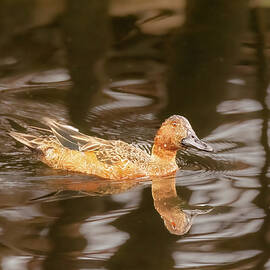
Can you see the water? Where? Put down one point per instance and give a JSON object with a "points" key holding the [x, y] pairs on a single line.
{"points": [[116, 70]]}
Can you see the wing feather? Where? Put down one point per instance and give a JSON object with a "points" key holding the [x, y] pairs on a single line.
{"points": [[65, 134], [109, 152], [116, 151]]}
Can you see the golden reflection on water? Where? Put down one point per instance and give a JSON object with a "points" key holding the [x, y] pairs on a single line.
{"points": [[177, 215], [207, 60]]}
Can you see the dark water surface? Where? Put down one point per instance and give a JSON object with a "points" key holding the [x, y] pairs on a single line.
{"points": [[116, 69]]}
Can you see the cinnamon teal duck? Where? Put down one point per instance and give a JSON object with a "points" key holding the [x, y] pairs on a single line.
{"points": [[66, 148]]}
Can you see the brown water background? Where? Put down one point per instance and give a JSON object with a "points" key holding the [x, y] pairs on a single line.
{"points": [[116, 69]]}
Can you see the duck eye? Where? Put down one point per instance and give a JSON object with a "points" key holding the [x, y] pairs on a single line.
{"points": [[174, 124]]}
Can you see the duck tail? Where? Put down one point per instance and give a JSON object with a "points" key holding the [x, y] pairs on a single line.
{"points": [[26, 139]]}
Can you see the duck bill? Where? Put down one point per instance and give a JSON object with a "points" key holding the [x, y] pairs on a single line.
{"points": [[193, 141]]}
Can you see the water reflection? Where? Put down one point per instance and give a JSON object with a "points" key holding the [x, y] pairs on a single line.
{"points": [[87, 39], [208, 60], [213, 58], [177, 215]]}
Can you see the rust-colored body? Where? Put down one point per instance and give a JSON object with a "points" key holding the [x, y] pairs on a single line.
{"points": [[68, 149]]}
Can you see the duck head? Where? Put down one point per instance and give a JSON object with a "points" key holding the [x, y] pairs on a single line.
{"points": [[176, 133]]}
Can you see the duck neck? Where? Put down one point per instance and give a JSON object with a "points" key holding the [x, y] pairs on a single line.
{"points": [[163, 150], [161, 154]]}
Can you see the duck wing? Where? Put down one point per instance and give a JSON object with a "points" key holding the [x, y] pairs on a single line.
{"points": [[107, 151], [66, 135], [115, 151], [71, 138]]}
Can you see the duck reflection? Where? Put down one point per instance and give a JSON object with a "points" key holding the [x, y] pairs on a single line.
{"points": [[177, 215]]}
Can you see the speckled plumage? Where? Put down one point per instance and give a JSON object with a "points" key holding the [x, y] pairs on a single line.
{"points": [[68, 149]]}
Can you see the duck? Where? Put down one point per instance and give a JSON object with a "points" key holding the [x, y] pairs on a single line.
{"points": [[65, 148]]}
